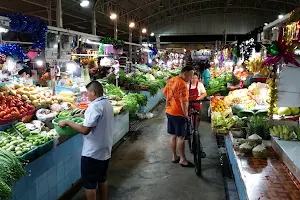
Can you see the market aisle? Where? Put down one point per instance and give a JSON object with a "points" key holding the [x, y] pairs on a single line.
{"points": [[141, 169]]}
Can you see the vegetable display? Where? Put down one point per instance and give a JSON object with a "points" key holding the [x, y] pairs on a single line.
{"points": [[19, 141], [219, 84], [11, 170]]}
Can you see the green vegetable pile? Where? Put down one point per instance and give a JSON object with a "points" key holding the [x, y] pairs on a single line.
{"points": [[113, 92], [132, 102], [219, 84], [259, 126], [220, 122], [11, 170], [18, 144], [143, 81]]}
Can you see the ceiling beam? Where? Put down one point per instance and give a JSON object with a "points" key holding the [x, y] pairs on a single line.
{"points": [[198, 13], [199, 3]]}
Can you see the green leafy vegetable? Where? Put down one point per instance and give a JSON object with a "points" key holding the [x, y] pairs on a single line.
{"points": [[11, 170]]}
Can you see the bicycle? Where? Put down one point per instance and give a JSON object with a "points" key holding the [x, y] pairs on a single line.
{"points": [[194, 142]]}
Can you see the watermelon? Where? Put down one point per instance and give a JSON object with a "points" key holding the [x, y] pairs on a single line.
{"points": [[237, 108], [261, 113], [245, 113]]}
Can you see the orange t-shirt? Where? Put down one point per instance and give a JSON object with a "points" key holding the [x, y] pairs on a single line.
{"points": [[176, 92]]}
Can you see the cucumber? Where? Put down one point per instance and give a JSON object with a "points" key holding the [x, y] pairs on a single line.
{"points": [[11, 148], [18, 148], [28, 145]]}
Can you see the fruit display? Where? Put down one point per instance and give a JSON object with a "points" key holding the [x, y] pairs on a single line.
{"points": [[218, 105], [36, 96], [283, 132], [259, 152], [286, 111], [67, 96], [13, 107]]}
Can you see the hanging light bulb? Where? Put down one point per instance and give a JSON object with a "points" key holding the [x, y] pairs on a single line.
{"points": [[85, 3]]}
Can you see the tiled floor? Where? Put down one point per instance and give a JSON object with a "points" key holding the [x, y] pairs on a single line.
{"points": [[267, 178]]}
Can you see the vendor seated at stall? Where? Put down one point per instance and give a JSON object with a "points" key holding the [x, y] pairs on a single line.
{"points": [[26, 73], [196, 92]]}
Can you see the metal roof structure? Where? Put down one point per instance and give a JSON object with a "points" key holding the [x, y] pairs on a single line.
{"points": [[152, 14]]}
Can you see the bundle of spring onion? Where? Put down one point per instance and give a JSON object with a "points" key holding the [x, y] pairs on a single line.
{"points": [[11, 170]]}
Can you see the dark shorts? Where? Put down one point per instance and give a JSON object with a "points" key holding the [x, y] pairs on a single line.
{"points": [[177, 125], [93, 172]]}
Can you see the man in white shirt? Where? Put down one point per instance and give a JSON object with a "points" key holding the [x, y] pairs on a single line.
{"points": [[97, 131]]}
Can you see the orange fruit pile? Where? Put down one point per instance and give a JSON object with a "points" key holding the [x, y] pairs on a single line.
{"points": [[218, 105]]}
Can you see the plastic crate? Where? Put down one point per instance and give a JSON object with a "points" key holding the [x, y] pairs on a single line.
{"points": [[42, 149], [30, 155]]}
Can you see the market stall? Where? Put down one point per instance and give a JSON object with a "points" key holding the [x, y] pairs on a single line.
{"points": [[47, 156], [260, 125]]}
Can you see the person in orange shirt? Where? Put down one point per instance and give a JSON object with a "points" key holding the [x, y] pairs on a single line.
{"points": [[177, 103]]}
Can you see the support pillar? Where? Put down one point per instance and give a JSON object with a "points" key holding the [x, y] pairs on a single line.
{"points": [[158, 42], [116, 29], [94, 22], [130, 46], [49, 12], [59, 21]]}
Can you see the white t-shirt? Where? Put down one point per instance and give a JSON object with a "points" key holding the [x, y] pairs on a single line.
{"points": [[201, 88], [98, 143]]}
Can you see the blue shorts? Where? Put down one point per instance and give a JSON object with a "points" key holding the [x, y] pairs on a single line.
{"points": [[93, 172], [177, 126]]}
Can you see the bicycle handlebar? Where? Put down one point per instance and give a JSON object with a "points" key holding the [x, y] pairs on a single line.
{"points": [[199, 101]]}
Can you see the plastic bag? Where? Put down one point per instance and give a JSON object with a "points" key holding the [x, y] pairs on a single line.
{"points": [[40, 114]]}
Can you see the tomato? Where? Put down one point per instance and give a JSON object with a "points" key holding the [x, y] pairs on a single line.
{"points": [[8, 116], [7, 110], [28, 106], [8, 98], [19, 104], [2, 114], [15, 113]]}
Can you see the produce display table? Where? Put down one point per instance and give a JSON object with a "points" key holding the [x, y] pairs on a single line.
{"points": [[49, 176], [261, 178], [288, 151], [152, 100]]}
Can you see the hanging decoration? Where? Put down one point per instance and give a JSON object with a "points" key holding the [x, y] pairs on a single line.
{"points": [[273, 94], [101, 49], [2, 58], [36, 27], [13, 50], [246, 48], [292, 32], [278, 51], [32, 54], [118, 44], [294, 16]]}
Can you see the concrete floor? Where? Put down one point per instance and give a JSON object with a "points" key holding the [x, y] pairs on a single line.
{"points": [[141, 168]]}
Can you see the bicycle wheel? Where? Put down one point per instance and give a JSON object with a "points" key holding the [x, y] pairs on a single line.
{"points": [[198, 154]]}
